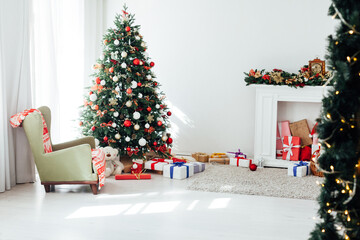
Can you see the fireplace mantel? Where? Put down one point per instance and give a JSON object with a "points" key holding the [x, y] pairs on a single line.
{"points": [[267, 98]]}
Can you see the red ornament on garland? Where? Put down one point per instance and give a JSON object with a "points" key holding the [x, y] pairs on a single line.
{"points": [[159, 123], [169, 113], [152, 64], [127, 29], [105, 138], [127, 123], [98, 80], [169, 141], [111, 69], [149, 109], [139, 84], [136, 61], [128, 91], [93, 128]]}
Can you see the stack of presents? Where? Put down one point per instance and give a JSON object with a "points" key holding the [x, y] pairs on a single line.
{"points": [[295, 142]]}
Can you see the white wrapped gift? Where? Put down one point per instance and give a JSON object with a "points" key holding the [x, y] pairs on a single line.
{"points": [[240, 162], [198, 166], [300, 169], [157, 164], [178, 170]]}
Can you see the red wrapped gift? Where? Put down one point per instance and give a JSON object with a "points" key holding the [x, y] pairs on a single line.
{"points": [[178, 160], [291, 148], [305, 153]]}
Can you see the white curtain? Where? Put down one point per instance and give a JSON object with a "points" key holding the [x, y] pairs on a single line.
{"points": [[16, 164]]}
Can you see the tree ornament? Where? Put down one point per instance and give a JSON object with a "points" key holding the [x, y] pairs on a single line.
{"points": [[140, 95], [164, 138], [139, 84], [116, 42], [117, 136], [127, 29], [157, 106], [148, 109], [121, 116], [124, 55], [147, 125], [136, 61], [97, 80], [159, 123], [93, 128], [113, 101], [105, 139], [150, 118], [137, 38], [116, 114], [168, 113], [142, 142], [127, 123], [152, 64], [115, 79], [155, 84], [128, 80], [102, 83], [136, 127], [252, 167], [111, 70], [143, 44], [96, 107], [128, 149], [127, 139], [133, 136], [129, 91], [113, 125], [148, 77], [93, 97], [123, 65], [169, 140], [136, 115], [133, 84]]}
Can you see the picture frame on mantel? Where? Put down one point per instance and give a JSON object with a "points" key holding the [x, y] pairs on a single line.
{"points": [[317, 66]]}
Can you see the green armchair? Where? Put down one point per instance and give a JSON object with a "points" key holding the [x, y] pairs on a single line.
{"points": [[69, 163]]}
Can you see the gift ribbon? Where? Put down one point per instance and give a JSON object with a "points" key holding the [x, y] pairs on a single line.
{"points": [[183, 160], [288, 148], [238, 154], [157, 161], [178, 164], [300, 164]]}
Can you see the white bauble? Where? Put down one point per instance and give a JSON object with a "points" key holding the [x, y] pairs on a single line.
{"points": [[143, 44], [136, 115], [116, 114], [123, 54], [116, 42], [137, 38], [169, 125], [97, 142], [127, 139], [133, 84], [140, 95], [136, 127], [134, 166], [128, 103], [148, 77], [117, 89], [117, 136], [102, 57], [123, 65], [93, 97], [147, 125], [164, 138], [115, 79], [142, 142], [157, 106], [113, 125], [103, 82]]}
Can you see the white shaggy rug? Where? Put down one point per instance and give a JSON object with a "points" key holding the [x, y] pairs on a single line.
{"points": [[272, 182]]}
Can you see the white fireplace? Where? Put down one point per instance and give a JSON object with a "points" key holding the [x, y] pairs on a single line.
{"points": [[266, 108]]}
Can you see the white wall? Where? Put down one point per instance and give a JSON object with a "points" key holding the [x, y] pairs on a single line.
{"points": [[201, 49]]}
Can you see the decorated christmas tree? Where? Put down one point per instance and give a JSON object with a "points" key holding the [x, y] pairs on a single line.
{"points": [[124, 108], [339, 130]]}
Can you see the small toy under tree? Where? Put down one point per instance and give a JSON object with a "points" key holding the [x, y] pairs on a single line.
{"points": [[339, 130], [124, 108]]}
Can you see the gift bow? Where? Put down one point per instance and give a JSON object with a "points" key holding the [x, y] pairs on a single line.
{"points": [[238, 153], [300, 164], [288, 148], [178, 164]]}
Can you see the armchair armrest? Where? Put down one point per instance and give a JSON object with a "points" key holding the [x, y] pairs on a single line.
{"points": [[76, 142], [69, 164]]}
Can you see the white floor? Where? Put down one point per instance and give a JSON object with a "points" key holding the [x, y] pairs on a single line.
{"points": [[149, 209]]}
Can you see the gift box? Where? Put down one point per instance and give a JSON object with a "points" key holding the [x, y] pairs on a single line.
{"points": [[218, 155], [174, 160], [200, 157], [132, 176], [157, 164], [299, 170], [137, 166], [238, 154], [240, 162], [198, 166], [224, 161], [291, 148], [301, 129], [279, 143], [305, 153], [178, 170], [284, 129]]}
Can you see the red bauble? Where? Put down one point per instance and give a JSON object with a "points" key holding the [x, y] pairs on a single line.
{"points": [[155, 83], [159, 123], [111, 69], [128, 91], [90, 93], [155, 143], [152, 64], [136, 61], [98, 80], [128, 149], [93, 128], [127, 123], [149, 109], [127, 29], [169, 113], [252, 166], [169, 141], [105, 138], [139, 84]]}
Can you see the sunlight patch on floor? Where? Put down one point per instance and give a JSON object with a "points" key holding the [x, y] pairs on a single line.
{"points": [[161, 207], [219, 203], [99, 211], [192, 205], [135, 209]]}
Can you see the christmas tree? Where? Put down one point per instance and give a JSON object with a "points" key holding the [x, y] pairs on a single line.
{"points": [[339, 130], [124, 108]]}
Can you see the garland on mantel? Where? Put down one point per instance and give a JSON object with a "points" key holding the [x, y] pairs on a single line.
{"points": [[280, 77]]}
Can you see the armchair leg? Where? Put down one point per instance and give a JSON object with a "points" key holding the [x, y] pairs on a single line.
{"points": [[47, 187], [94, 188]]}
